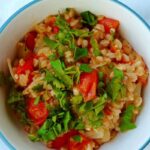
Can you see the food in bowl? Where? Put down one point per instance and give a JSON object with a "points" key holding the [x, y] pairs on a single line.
{"points": [[76, 82]]}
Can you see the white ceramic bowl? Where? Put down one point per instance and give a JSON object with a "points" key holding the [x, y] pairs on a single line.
{"points": [[132, 28]]}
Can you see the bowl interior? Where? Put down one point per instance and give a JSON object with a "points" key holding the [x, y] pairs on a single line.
{"points": [[131, 28]]}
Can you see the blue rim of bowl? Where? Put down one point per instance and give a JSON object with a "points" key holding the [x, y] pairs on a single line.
{"points": [[2, 28]]}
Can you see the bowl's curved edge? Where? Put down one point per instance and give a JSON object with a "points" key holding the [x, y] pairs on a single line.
{"points": [[6, 142], [2, 28]]}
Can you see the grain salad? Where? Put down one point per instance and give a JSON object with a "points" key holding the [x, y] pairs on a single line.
{"points": [[75, 81]]}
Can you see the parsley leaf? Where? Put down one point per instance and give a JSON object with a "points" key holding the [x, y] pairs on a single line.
{"points": [[126, 119], [80, 32], [96, 50], [15, 96], [59, 72], [80, 53], [88, 18], [66, 120], [52, 44], [85, 68], [38, 88], [115, 85], [36, 101], [75, 100], [77, 138]]}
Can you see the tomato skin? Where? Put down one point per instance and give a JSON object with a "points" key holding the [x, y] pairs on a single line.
{"points": [[37, 113], [109, 23], [30, 40], [64, 139], [143, 80], [88, 84], [73, 145], [51, 21]]}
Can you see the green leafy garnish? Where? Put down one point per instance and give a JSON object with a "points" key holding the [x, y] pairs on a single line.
{"points": [[36, 101], [88, 18], [52, 44], [67, 119], [38, 88], [33, 138], [85, 68], [15, 96], [126, 119], [101, 75], [115, 85], [80, 53], [57, 67], [99, 106], [75, 100], [80, 33], [77, 138], [96, 50]]}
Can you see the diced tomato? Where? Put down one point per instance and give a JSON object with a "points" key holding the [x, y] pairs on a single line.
{"points": [[28, 65], [107, 110], [143, 80], [55, 29], [109, 23], [37, 113], [64, 139], [74, 145], [30, 40], [52, 21], [88, 85]]}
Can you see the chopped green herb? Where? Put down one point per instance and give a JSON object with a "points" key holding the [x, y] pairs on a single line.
{"points": [[77, 138], [33, 138], [96, 50], [115, 85], [75, 100], [52, 44], [88, 18], [85, 68], [80, 33], [101, 75], [15, 96], [38, 88], [126, 119], [52, 57], [57, 66], [36, 101], [80, 53], [67, 119]]}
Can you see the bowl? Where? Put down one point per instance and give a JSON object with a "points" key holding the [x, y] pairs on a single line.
{"points": [[133, 28]]}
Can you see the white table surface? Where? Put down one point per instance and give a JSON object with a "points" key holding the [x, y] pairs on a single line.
{"points": [[8, 7]]}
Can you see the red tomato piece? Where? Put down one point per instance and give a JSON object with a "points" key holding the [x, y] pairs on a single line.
{"points": [[55, 29], [30, 40], [64, 139], [143, 80], [74, 145], [28, 65], [88, 85], [51, 21], [107, 110], [37, 113], [109, 23]]}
